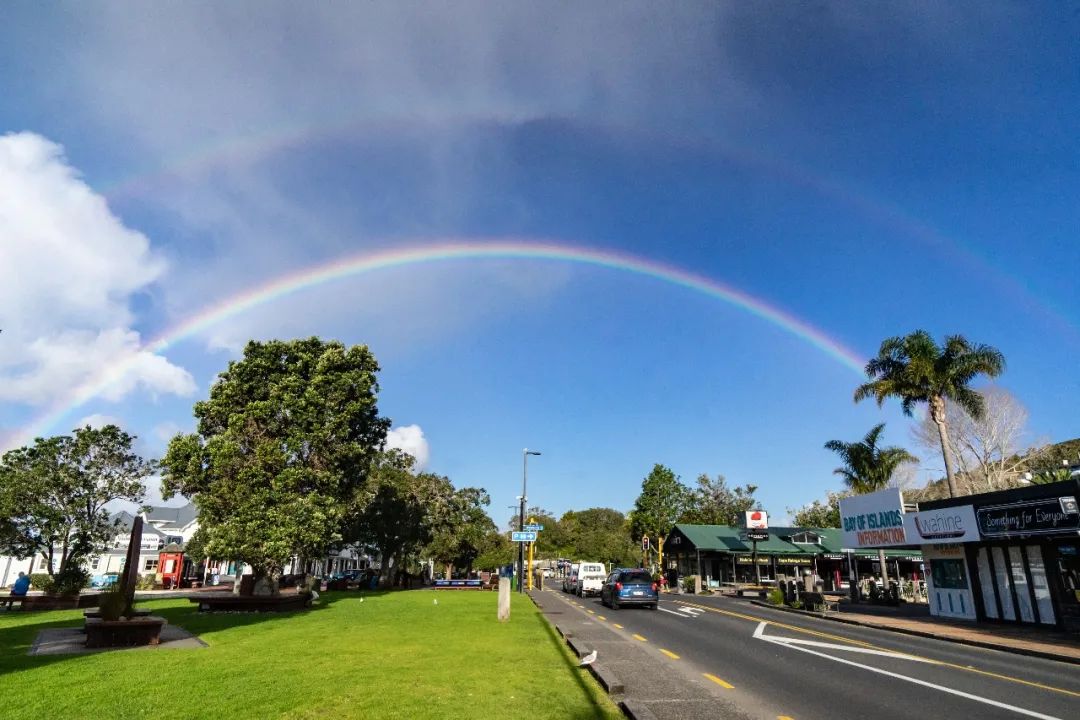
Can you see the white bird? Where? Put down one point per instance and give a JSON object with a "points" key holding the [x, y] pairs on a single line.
{"points": [[588, 659], [361, 599], [436, 601]]}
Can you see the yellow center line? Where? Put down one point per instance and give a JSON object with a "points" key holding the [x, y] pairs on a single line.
{"points": [[718, 681], [784, 717], [591, 612], [601, 617], [617, 625], [942, 663], [670, 654], [638, 637]]}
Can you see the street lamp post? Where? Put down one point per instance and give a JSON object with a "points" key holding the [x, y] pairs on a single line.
{"points": [[521, 514]]}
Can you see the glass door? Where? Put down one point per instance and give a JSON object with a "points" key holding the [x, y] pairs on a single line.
{"points": [[1023, 591], [1001, 576], [986, 581], [1040, 585]]}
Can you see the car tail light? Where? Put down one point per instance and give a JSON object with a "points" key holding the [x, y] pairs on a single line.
{"points": [[654, 587], [618, 586]]}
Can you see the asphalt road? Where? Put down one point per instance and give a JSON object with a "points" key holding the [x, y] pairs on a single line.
{"points": [[783, 665]]}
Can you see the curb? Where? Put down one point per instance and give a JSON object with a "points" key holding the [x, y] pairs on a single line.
{"points": [[636, 710], [927, 634], [611, 684]]}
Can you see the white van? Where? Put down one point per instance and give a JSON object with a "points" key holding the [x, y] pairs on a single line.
{"points": [[590, 578]]}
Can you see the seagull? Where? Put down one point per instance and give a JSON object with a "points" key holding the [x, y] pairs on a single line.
{"points": [[588, 659], [361, 599], [436, 601]]}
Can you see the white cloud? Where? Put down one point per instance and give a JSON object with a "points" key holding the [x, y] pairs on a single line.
{"points": [[410, 438], [98, 421], [164, 432], [71, 269]]}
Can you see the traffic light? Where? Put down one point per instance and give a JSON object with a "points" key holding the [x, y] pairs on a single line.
{"points": [[645, 543]]}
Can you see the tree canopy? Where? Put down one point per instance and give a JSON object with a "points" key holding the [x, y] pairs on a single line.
{"points": [[714, 503], [661, 504], [53, 494], [819, 514], [284, 445], [867, 466], [917, 370]]}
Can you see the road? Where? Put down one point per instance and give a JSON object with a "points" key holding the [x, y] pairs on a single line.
{"points": [[784, 665]]}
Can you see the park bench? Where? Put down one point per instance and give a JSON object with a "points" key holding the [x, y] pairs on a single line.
{"points": [[284, 602], [10, 600], [820, 602]]}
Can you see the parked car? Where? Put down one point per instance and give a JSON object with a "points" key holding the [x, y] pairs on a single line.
{"points": [[569, 583], [590, 579], [630, 587], [549, 572]]}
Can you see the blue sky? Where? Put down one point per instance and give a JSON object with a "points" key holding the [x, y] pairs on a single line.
{"points": [[868, 169]]}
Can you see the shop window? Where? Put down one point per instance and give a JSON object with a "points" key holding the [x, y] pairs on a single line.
{"points": [[1004, 587], [948, 574], [1023, 591], [986, 581], [150, 564], [1040, 585], [1069, 570]]}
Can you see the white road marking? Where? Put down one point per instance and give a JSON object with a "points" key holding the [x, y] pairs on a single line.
{"points": [[672, 612], [759, 634]]}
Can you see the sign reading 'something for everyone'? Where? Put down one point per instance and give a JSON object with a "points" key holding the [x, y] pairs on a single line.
{"points": [[873, 520]]}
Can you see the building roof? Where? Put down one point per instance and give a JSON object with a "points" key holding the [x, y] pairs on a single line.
{"points": [[726, 538], [174, 516]]}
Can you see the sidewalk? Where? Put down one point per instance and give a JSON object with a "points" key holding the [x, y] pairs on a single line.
{"points": [[628, 669], [915, 619]]}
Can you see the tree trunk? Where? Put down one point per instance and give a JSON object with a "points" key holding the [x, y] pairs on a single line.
{"points": [[937, 413]]}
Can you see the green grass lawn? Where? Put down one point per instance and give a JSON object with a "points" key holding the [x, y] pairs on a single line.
{"points": [[395, 655]]}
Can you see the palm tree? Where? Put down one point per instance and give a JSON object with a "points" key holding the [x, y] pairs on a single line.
{"points": [[868, 467], [916, 370]]}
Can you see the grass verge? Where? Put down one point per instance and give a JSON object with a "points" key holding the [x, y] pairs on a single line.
{"points": [[394, 655]]}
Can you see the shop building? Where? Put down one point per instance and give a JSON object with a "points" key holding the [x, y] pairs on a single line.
{"points": [[1011, 556], [721, 555]]}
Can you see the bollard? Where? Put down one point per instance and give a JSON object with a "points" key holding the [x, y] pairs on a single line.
{"points": [[504, 599]]}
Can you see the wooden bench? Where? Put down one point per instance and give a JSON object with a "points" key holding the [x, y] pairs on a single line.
{"points": [[123, 633], [208, 602], [96, 613], [10, 600], [820, 602]]}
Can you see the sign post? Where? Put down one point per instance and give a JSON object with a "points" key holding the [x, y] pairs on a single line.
{"points": [[874, 520], [531, 527], [757, 528]]}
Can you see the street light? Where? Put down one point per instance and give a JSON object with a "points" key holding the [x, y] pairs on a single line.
{"points": [[521, 516]]}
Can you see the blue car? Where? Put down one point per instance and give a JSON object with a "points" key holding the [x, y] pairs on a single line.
{"points": [[630, 587], [101, 582]]}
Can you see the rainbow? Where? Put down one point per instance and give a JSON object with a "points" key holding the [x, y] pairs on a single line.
{"points": [[460, 250]]}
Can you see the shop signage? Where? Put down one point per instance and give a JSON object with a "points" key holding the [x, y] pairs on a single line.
{"points": [[945, 525], [756, 520], [793, 560], [1036, 517], [748, 559], [755, 535], [873, 520]]}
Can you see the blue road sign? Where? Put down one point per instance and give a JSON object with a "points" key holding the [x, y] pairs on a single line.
{"points": [[529, 536], [534, 527]]}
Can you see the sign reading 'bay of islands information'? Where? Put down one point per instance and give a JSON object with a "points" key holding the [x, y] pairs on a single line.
{"points": [[873, 520]]}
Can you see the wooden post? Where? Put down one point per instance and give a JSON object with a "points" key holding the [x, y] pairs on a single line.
{"points": [[504, 599], [131, 565]]}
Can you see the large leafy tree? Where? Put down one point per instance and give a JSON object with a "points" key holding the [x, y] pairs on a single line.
{"points": [[866, 465], [53, 494], [283, 447], [400, 511], [714, 503], [915, 369], [819, 514], [662, 502], [598, 534], [462, 534]]}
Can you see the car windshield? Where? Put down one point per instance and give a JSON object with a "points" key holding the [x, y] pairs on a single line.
{"points": [[636, 577]]}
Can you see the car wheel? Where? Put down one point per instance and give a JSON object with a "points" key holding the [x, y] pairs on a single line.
{"points": [[653, 606]]}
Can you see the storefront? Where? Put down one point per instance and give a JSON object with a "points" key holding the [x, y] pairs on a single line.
{"points": [[721, 555], [1024, 564]]}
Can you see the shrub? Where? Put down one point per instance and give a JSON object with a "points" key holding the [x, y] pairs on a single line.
{"points": [[112, 604], [67, 582], [776, 596], [40, 581], [146, 582]]}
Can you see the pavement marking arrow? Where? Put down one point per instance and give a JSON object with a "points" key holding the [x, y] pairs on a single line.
{"points": [[759, 634]]}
